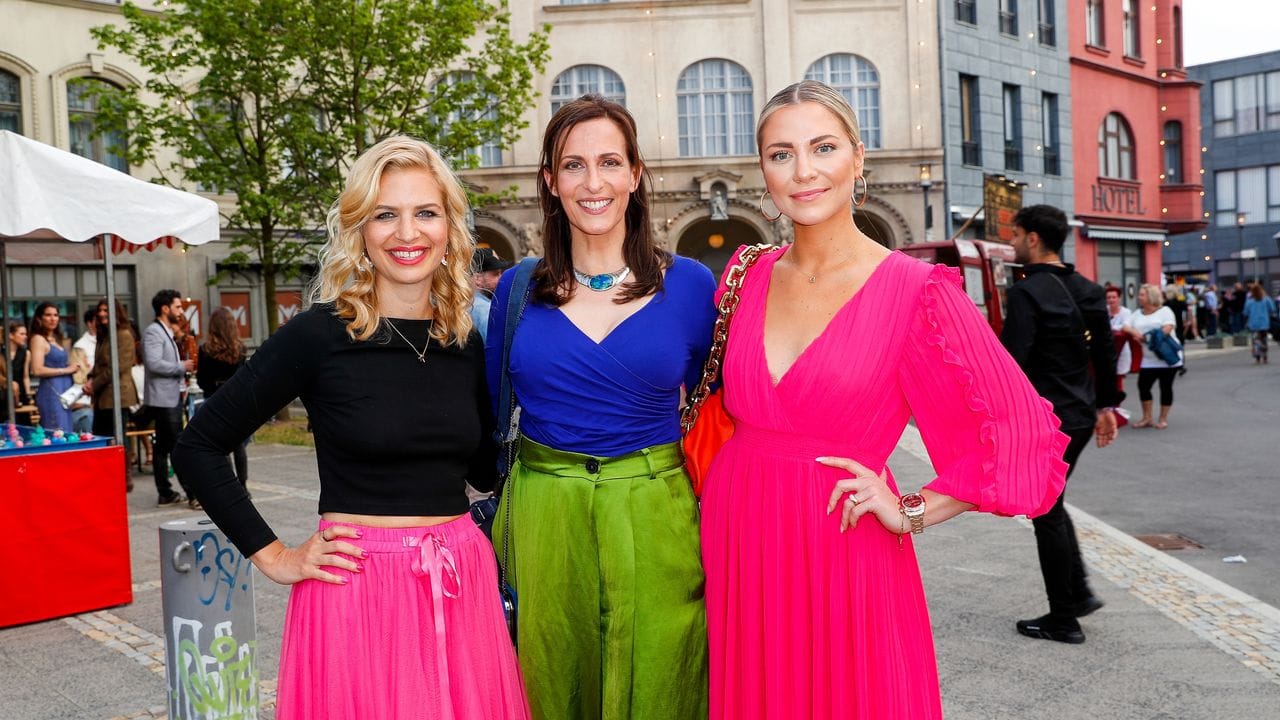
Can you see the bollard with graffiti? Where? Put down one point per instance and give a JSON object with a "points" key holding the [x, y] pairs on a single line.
{"points": [[211, 636]]}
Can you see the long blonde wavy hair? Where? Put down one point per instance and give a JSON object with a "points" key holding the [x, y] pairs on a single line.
{"points": [[346, 277]]}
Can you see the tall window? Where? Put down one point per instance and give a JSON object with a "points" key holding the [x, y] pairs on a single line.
{"points": [[1177, 36], [1012, 128], [966, 12], [1009, 17], [1253, 191], [82, 112], [489, 151], [970, 128], [1115, 149], [857, 79], [714, 110], [1049, 130], [1246, 104], [1172, 142], [1224, 117], [1132, 29], [1048, 23], [582, 79], [1093, 23], [10, 102]]}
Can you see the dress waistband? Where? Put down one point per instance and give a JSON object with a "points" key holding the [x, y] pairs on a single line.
{"points": [[390, 540], [794, 445], [646, 461]]}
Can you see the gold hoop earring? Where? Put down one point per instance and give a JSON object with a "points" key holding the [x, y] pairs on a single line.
{"points": [[866, 192], [763, 195]]}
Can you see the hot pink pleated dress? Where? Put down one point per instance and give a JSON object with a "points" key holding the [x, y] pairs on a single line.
{"points": [[806, 622]]}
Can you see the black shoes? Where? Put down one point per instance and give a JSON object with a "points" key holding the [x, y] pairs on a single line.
{"points": [[1054, 627], [170, 499], [1088, 606]]}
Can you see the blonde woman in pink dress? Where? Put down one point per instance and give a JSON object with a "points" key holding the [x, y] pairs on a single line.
{"points": [[814, 600]]}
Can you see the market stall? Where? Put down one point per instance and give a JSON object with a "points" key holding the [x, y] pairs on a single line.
{"points": [[64, 507]]}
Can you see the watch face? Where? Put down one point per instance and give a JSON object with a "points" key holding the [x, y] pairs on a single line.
{"points": [[912, 503]]}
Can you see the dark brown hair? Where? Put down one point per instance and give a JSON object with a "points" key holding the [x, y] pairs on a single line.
{"points": [[553, 278], [224, 337], [37, 325]]}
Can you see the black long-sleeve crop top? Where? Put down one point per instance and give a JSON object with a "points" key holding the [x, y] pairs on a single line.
{"points": [[394, 436]]}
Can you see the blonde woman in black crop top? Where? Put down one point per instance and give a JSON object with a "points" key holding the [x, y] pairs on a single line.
{"points": [[394, 610]]}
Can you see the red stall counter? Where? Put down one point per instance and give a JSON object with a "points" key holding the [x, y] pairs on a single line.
{"points": [[66, 527]]}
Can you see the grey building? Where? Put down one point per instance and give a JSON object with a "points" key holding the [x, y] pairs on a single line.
{"points": [[1006, 97], [1240, 121]]}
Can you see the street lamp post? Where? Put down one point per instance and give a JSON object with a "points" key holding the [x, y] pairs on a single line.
{"points": [[1240, 218], [926, 182]]}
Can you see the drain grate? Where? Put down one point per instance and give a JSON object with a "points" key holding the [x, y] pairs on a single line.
{"points": [[1169, 541]]}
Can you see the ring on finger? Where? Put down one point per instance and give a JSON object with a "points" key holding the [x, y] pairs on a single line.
{"points": [[322, 537], [853, 499]]}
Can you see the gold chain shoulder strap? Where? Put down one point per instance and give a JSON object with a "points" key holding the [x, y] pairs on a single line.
{"points": [[728, 304]]}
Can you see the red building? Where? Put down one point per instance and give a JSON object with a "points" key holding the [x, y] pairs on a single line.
{"points": [[1136, 136]]}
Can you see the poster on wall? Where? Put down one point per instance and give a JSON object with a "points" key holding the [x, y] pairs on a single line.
{"points": [[194, 310], [288, 305], [238, 304]]}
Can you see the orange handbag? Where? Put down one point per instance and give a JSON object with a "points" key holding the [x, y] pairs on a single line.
{"points": [[705, 423]]}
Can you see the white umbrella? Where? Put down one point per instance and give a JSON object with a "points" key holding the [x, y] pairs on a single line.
{"points": [[46, 193]]}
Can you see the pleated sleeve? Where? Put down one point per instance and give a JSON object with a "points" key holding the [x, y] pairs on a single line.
{"points": [[993, 441]]}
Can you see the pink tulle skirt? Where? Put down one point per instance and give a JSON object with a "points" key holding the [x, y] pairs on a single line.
{"points": [[418, 634]]}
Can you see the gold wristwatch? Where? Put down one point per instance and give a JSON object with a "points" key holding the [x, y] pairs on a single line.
{"points": [[912, 506]]}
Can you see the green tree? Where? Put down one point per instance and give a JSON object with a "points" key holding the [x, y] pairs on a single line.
{"points": [[272, 100]]}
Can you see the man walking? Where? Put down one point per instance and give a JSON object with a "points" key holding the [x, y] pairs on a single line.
{"points": [[165, 374], [1058, 330]]}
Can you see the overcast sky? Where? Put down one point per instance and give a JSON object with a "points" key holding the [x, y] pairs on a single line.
{"points": [[1221, 29]]}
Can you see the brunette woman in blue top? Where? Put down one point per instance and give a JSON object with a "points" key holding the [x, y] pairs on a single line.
{"points": [[603, 545]]}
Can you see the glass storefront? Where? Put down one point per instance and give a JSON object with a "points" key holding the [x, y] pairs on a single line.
{"points": [[1120, 263]]}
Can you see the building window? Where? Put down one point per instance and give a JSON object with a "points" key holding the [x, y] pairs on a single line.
{"points": [[582, 79], [970, 128], [1246, 104], [1012, 128], [1272, 90], [1093, 23], [1052, 143], [859, 81], [966, 12], [1273, 193], [1172, 142], [1115, 149], [82, 111], [1048, 24], [489, 152], [1177, 36], [1132, 29], [1253, 191], [714, 110], [1224, 122], [10, 102], [1009, 17]]}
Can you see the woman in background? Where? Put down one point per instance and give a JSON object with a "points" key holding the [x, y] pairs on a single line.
{"points": [[100, 378], [221, 355], [1153, 314], [52, 364]]}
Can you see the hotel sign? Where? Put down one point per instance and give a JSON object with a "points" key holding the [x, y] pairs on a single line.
{"points": [[1119, 198]]}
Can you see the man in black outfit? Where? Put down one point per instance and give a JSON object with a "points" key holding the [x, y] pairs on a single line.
{"points": [[1059, 332]]}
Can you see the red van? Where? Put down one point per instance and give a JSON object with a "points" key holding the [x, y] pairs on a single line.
{"points": [[987, 268]]}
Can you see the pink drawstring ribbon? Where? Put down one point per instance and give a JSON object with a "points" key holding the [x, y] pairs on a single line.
{"points": [[435, 562]]}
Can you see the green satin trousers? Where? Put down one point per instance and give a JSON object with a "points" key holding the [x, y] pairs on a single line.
{"points": [[605, 558]]}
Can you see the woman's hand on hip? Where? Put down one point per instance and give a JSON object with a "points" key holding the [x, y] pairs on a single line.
{"points": [[865, 492], [286, 565]]}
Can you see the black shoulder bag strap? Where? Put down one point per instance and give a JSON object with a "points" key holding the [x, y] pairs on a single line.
{"points": [[1088, 336], [508, 425]]}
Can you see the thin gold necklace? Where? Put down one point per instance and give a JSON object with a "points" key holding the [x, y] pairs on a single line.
{"points": [[422, 356]]}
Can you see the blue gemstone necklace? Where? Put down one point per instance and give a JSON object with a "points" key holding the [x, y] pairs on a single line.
{"points": [[604, 281]]}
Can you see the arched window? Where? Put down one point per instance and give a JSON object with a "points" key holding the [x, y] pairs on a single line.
{"points": [[582, 79], [857, 79], [713, 105], [1172, 142], [1093, 23], [489, 151], [1115, 149], [82, 113], [10, 102]]}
